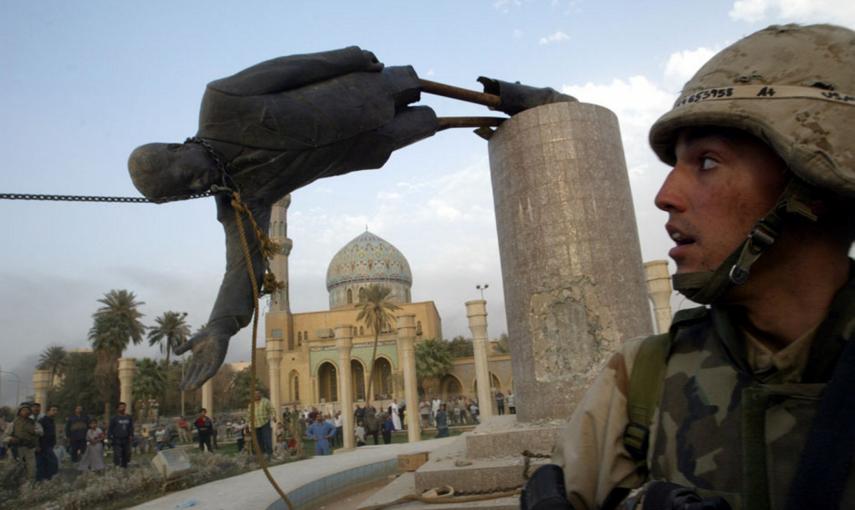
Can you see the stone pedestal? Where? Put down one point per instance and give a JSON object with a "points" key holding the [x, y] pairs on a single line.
{"points": [[406, 344], [127, 369], [571, 263], [476, 312], [208, 396], [344, 344], [41, 385], [273, 352], [659, 289]]}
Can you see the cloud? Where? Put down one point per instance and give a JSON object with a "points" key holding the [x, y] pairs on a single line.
{"points": [[518, 33], [505, 5], [682, 65], [556, 37], [843, 11]]}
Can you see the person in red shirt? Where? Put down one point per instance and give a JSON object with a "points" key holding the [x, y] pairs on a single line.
{"points": [[205, 427]]}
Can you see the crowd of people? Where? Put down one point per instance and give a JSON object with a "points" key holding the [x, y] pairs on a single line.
{"points": [[32, 438]]}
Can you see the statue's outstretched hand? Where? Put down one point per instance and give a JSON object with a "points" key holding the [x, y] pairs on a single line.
{"points": [[209, 347]]}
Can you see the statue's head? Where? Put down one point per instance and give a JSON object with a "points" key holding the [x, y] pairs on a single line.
{"points": [[161, 170]]}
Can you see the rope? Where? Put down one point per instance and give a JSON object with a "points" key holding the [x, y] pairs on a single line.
{"points": [[239, 208], [448, 494]]}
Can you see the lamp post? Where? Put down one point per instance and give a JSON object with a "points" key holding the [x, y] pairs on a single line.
{"points": [[17, 385], [482, 288]]}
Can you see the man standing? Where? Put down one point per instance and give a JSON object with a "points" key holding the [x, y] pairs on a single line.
{"points": [[25, 440], [512, 405], [500, 402], [442, 421], [75, 431], [388, 428], [184, 434], [321, 432], [121, 435], [372, 424], [755, 403], [204, 428], [46, 463], [263, 439]]}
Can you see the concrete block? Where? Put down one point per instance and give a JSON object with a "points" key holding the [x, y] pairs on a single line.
{"points": [[171, 463]]}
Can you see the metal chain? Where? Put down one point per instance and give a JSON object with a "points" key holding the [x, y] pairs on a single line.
{"points": [[92, 198]]}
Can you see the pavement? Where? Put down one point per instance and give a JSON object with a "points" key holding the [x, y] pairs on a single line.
{"points": [[306, 482]]}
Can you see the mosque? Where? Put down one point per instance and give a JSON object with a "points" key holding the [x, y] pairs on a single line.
{"points": [[300, 357]]}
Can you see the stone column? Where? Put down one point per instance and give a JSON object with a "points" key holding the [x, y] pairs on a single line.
{"points": [[406, 344], [659, 290], [571, 262], [273, 351], [344, 343], [41, 385], [208, 396], [476, 311], [127, 369]]}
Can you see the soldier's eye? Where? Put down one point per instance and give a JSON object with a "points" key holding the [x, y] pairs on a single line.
{"points": [[708, 163]]}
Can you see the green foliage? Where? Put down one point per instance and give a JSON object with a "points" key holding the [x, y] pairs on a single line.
{"points": [[239, 389], [78, 386], [461, 347], [170, 331], [377, 313], [433, 360], [149, 381], [502, 346], [116, 324], [53, 358]]}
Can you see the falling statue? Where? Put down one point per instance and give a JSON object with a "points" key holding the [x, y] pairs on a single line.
{"points": [[281, 124]]}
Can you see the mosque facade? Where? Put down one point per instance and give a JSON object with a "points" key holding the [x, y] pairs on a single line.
{"points": [[306, 360]]}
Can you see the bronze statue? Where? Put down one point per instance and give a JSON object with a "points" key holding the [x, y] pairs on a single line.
{"points": [[281, 124]]}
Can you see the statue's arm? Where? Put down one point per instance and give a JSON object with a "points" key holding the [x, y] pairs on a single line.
{"points": [[294, 71], [234, 306]]}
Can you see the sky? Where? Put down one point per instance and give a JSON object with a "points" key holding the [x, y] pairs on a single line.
{"points": [[84, 83]]}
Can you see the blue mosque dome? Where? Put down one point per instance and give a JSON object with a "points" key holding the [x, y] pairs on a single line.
{"points": [[368, 260]]}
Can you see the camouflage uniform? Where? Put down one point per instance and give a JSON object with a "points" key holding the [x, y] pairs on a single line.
{"points": [[717, 376]]}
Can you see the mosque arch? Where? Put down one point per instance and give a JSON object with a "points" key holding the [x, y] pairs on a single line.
{"points": [[382, 384], [357, 374], [327, 382], [495, 384], [450, 387], [350, 296]]}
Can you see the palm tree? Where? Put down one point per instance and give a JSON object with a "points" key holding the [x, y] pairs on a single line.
{"points": [[149, 381], [169, 332], [433, 360], [377, 314], [55, 359], [116, 324]]}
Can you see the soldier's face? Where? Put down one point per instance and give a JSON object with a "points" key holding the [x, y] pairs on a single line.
{"points": [[721, 184]]}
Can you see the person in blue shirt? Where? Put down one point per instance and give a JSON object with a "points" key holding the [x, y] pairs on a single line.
{"points": [[321, 431]]}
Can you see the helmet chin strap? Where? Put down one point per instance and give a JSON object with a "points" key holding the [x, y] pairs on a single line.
{"points": [[706, 287]]}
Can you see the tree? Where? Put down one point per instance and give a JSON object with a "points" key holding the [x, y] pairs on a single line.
{"points": [[461, 347], [240, 387], [501, 344], [376, 312], [55, 359], [116, 324], [169, 332], [78, 387], [149, 382], [433, 360]]}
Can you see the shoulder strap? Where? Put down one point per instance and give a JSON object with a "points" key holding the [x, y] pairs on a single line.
{"points": [[645, 390]]}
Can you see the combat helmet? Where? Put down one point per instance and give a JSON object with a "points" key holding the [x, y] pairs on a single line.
{"points": [[792, 87]]}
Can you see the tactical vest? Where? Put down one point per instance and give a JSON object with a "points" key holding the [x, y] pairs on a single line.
{"points": [[727, 431]]}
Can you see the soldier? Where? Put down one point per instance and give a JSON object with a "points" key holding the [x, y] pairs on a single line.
{"points": [[747, 402]]}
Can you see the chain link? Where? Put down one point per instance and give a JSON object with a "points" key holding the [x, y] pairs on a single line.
{"points": [[91, 198]]}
